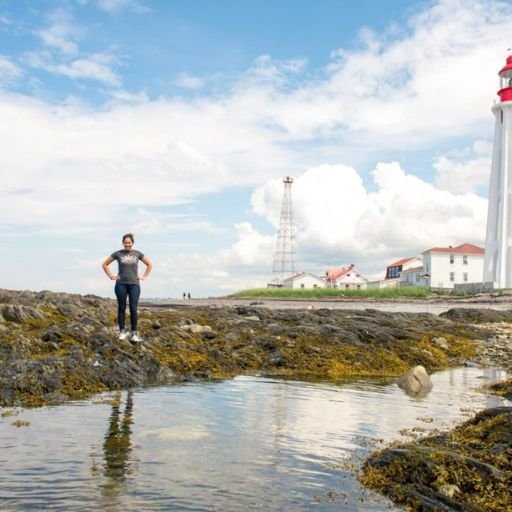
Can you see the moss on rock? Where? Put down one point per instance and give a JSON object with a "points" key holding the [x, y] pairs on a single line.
{"points": [[69, 349]]}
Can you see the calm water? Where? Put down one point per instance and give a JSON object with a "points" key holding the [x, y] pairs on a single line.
{"points": [[241, 445]]}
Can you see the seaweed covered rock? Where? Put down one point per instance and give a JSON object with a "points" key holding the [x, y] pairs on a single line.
{"points": [[476, 315], [503, 388], [466, 469], [60, 344], [19, 313]]}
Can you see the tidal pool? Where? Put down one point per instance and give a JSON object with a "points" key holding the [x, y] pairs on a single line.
{"points": [[245, 444]]}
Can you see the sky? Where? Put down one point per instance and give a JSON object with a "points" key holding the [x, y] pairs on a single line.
{"points": [[177, 120]]}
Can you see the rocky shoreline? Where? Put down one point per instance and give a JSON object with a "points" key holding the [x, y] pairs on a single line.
{"points": [[56, 347], [466, 468]]}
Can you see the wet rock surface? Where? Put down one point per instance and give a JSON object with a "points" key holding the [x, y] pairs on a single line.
{"points": [[56, 346], [415, 382], [466, 469], [469, 467]]}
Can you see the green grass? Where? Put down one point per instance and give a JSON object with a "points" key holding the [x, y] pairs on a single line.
{"points": [[321, 293]]}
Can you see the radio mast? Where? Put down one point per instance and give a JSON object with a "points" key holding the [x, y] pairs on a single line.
{"points": [[284, 255]]}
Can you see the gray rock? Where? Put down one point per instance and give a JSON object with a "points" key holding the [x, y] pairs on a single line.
{"points": [[52, 334], [440, 342], [415, 382], [232, 336], [19, 313], [276, 358], [197, 329], [164, 376]]}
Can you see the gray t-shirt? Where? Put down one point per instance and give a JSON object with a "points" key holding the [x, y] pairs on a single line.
{"points": [[128, 262]]}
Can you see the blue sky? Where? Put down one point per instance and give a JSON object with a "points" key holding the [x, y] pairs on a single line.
{"points": [[178, 119]]}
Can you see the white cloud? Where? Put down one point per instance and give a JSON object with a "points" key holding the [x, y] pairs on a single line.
{"points": [[9, 72], [482, 147], [434, 82], [188, 82], [96, 66], [462, 177], [338, 221], [61, 54], [251, 249], [336, 216], [114, 6], [61, 34]]}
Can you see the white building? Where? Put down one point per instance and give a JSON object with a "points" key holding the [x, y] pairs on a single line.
{"points": [[445, 266], [414, 276], [346, 278], [393, 270], [304, 280]]}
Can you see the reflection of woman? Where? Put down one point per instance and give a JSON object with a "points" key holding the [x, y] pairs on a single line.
{"points": [[127, 283], [117, 445]]}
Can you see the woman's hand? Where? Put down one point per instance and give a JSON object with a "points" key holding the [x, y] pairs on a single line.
{"points": [[114, 278], [142, 278]]}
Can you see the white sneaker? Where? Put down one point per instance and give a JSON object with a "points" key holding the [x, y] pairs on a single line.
{"points": [[135, 337], [123, 335]]}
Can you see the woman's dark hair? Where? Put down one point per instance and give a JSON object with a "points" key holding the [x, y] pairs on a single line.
{"points": [[130, 236]]}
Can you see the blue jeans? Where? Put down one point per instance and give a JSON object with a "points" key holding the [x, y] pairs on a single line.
{"points": [[127, 291]]}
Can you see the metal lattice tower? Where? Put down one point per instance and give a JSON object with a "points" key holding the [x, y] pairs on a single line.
{"points": [[284, 255]]}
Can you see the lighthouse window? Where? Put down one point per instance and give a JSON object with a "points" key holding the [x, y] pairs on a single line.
{"points": [[452, 276], [464, 259], [452, 258], [505, 82]]}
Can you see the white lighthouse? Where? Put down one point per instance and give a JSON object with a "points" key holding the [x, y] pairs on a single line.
{"points": [[498, 242]]}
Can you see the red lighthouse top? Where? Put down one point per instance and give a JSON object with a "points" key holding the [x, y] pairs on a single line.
{"points": [[505, 92]]}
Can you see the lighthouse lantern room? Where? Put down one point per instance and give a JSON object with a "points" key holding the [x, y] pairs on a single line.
{"points": [[505, 92], [498, 242]]}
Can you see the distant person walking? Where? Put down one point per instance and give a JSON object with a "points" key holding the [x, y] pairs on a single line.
{"points": [[127, 283]]}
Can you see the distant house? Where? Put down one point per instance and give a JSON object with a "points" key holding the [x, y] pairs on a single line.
{"points": [[446, 266], [394, 270], [346, 277], [304, 280], [414, 276]]}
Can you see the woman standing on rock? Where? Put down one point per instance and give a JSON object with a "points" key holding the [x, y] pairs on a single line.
{"points": [[127, 283]]}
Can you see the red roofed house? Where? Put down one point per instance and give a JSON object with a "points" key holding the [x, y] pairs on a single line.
{"points": [[446, 266], [346, 277], [394, 269]]}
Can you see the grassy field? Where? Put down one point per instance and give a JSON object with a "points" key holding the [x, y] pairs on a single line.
{"points": [[331, 293]]}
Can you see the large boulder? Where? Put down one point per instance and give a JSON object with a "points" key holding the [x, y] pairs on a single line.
{"points": [[415, 382]]}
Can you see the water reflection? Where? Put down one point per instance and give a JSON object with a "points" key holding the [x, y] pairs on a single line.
{"points": [[117, 446], [244, 444]]}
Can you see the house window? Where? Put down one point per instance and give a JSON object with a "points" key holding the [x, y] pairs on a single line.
{"points": [[452, 276], [302, 285], [464, 259], [347, 286], [465, 277], [452, 258], [426, 267], [315, 286], [359, 286]]}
